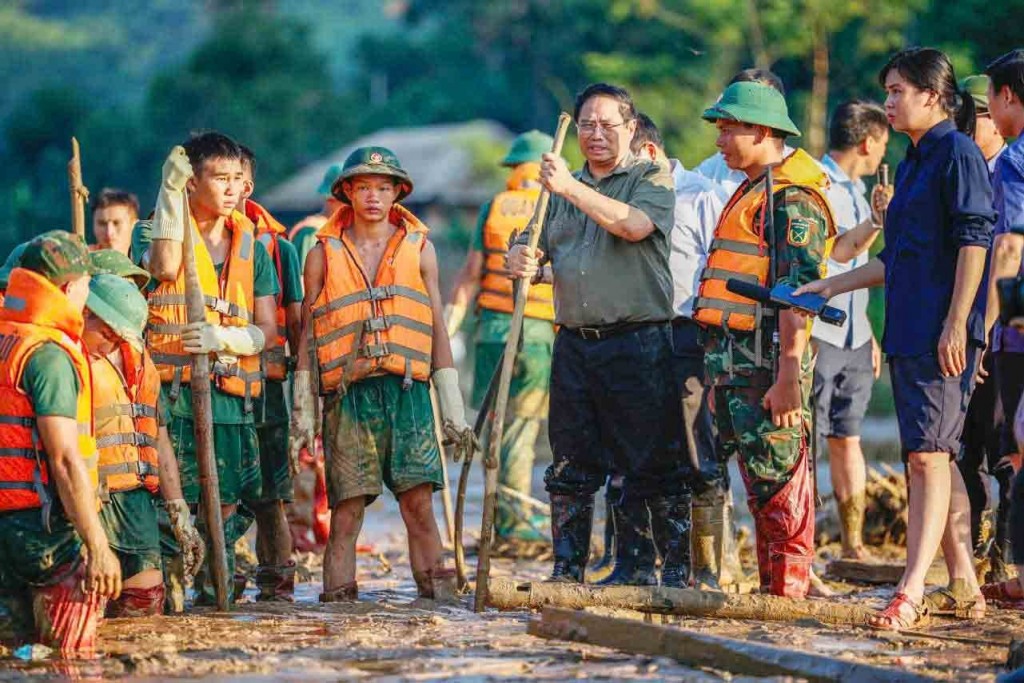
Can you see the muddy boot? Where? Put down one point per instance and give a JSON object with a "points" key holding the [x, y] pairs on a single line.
{"points": [[276, 583], [670, 523], [424, 584], [137, 602], [572, 517], [611, 506], [174, 584], [445, 588], [708, 540], [348, 592], [635, 554], [851, 527]]}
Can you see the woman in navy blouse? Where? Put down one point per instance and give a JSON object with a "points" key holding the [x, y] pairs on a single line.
{"points": [[938, 230]]}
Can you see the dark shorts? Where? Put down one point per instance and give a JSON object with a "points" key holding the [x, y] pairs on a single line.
{"points": [[130, 522], [30, 555], [842, 388], [272, 433], [930, 408], [614, 411], [236, 448]]}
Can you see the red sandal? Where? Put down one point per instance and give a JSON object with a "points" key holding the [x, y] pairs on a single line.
{"points": [[895, 618]]}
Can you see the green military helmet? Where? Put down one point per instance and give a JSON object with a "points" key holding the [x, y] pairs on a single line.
{"points": [[10, 264], [118, 303], [330, 175], [528, 147], [977, 88], [754, 103], [115, 263], [57, 255], [373, 161]]}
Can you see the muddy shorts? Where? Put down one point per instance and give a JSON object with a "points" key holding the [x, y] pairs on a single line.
{"points": [[130, 522], [272, 432], [380, 434], [238, 460]]}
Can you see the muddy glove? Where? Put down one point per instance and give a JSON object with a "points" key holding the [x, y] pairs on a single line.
{"points": [[204, 337], [303, 427], [453, 412], [192, 549], [168, 221]]}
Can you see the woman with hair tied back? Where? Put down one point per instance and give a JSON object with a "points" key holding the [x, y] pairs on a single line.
{"points": [[938, 230]]}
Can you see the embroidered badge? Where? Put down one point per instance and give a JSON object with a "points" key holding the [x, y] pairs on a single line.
{"points": [[799, 232], [376, 158]]}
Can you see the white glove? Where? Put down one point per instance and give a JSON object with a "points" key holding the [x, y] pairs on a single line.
{"points": [[302, 433], [454, 427], [168, 221], [204, 337], [453, 316], [192, 548]]}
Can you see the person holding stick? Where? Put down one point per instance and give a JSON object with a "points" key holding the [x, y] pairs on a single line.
{"points": [[612, 388], [374, 312], [239, 285]]}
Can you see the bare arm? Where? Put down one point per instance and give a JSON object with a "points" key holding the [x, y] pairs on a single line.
{"points": [[265, 318], [441, 356], [170, 478], [952, 350], [855, 241], [313, 284], [871, 274], [1007, 249], [467, 284], [293, 324], [165, 259]]}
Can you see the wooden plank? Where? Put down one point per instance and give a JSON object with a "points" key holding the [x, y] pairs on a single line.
{"points": [[879, 572], [705, 650]]}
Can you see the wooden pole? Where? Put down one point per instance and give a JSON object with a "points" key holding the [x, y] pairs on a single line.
{"points": [[79, 192], [497, 415], [446, 492], [202, 417], [512, 595]]}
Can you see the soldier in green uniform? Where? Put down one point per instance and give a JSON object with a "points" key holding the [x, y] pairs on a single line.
{"points": [[762, 389], [483, 278]]}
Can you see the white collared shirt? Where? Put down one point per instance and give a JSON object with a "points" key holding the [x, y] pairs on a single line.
{"points": [[717, 171], [850, 208], [699, 203]]}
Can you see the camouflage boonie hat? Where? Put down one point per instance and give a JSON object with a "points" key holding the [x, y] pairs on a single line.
{"points": [[115, 263], [528, 147], [118, 303], [753, 103], [977, 88], [10, 264], [373, 161], [58, 256]]}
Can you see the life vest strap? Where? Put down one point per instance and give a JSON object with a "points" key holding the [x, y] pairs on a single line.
{"points": [[137, 439], [378, 351], [735, 246], [138, 467], [214, 303], [17, 420], [125, 409], [373, 294], [376, 324]]}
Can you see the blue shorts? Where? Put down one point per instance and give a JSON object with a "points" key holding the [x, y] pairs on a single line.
{"points": [[931, 408], [842, 388]]}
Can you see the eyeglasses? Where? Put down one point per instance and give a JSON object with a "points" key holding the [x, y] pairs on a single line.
{"points": [[588, 128]]}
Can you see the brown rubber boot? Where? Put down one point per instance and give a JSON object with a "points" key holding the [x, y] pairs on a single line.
{"points": [[707, 536], [348, 592], [276, 583], [174, 584], [851, 527]]}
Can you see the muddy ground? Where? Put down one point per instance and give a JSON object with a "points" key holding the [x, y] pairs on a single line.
{"points": [[392, 636]]}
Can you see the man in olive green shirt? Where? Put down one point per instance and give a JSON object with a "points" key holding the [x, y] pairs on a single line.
{"points": [[612, 389]]}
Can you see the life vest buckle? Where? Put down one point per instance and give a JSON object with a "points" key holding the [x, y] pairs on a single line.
{"points": [[222, 306], [376, 350], [382, 292], [379, 324]]}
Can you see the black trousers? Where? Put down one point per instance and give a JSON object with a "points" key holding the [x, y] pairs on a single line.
{"points": [[1010, 518], [981, 443]]}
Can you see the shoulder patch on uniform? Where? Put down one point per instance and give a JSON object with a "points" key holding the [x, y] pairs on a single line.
{"points": [[798, 234]]}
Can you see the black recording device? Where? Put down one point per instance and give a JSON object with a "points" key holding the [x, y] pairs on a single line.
{"points": [[781, 296]]}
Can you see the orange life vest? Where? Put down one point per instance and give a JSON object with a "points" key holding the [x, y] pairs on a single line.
{"points": [[36, 312], [510, 212], [229, 301], [386, 322], [740, 249], [126, 421], [269, 231]]}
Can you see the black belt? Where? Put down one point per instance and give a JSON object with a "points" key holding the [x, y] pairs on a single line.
{"points": [[605, 331], [683, 321]]}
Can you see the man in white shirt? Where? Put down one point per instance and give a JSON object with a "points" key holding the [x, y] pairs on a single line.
{"points": [[849, 359]]}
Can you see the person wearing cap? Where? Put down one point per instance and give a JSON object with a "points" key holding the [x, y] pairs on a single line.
{"points": [[613, 397], [275, 574], [10, 264], [114, 213], [56, 567], [303, 233], [116, 263], [374, 312], [483, 280], [764, 418], [239, 286], [136, 460]]}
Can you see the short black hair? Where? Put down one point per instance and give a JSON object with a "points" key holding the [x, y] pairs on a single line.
{"points": [[112, 196], [625, 100], [207, 145], [853, 121], [1008, 71], [763, 76], [248, 158], [646, 131]]}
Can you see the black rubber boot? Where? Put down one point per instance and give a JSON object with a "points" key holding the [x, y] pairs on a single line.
{"points": [[670, 522], [634, 552], [572, 518]]}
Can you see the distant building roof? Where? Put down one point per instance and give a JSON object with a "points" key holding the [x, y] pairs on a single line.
{"points": [[439, 158]]}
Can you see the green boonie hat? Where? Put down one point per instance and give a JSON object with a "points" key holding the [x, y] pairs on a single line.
{"points": [[372, 161], [754, 103], [10, 264], [330, 175], [118, 303], [977, 88], [114, 262], [528, 147], [59, 256]]}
